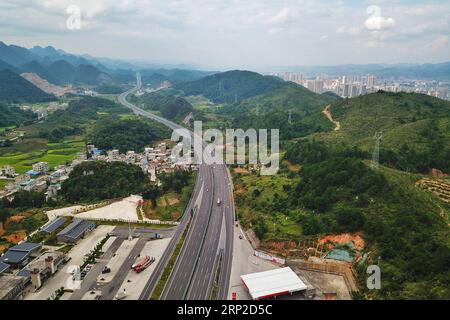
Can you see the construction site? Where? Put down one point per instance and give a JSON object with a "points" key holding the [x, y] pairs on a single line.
{"points": [[326, 263]]}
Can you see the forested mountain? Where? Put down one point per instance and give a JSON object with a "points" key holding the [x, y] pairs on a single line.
{"points": [[55, 66], [63, 71], [231, 86], [15, 55], [77, 117], [167, 102], [40, 70], [415, 129], [272, 109], [334, 190], [49, 53], [126, 134], [401, 223], [14, 88], [91, 181], [4, 65], [172, 75]]}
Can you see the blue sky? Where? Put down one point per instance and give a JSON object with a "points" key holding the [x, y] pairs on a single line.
{"points": [[239, 34]]}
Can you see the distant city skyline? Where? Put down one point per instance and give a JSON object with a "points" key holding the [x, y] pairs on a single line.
{"points": [[225, 34]]}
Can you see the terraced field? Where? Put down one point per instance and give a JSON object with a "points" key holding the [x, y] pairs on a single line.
{"points": [[53, 153]]}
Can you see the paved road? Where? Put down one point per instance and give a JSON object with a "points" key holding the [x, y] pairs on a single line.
{"points": [[90, 281], [124, 232], [201, 284], [110, 290], [188, 279]]}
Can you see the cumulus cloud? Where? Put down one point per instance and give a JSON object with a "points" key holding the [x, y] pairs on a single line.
{"points": [[376, 21]]}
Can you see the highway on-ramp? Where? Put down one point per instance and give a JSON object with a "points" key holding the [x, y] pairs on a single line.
{"points": [[194, 272]]}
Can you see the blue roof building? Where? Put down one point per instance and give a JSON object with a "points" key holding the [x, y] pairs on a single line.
{"points": [[19, 255], [53, 225], [76, 230], [33, 173], [3, 267]]}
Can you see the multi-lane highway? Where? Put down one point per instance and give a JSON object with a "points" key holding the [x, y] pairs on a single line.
{"points": [[210, 231]]}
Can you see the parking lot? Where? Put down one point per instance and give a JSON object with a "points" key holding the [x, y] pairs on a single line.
{"points": [[135, 282], [119, 254], [77, 254]]}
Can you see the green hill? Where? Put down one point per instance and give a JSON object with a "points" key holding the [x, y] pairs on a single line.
{"points": [[65, 73], [14, 88], [327, 185], [91, 181], [126, 134], [4, 65], [74, 120], [415, 128], [168, 103], [272, 109], [231, 86]]}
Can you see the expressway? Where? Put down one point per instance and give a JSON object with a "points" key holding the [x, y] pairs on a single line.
{"points": [[210, 232]]}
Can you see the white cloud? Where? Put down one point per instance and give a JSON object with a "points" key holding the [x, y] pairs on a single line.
{"points": [[376, 21]]}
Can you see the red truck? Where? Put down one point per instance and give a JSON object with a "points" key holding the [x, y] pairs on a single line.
{"points": [[142, 264]]}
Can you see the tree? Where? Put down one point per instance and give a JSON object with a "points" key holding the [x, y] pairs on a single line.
{"points": [[151, 193], [4, 215], [349, 219]]}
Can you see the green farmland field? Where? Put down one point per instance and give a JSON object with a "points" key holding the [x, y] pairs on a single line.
{"points": [[53, 153]]}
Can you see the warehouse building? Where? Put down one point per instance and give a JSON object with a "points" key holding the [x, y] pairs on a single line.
{"points": [[4, 267], [75, 231], [53, 225], [20, 254], [272, 283]]}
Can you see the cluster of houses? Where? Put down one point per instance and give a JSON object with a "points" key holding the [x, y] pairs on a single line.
{"points": [[153, 161], [43, 112], [39, 179]]}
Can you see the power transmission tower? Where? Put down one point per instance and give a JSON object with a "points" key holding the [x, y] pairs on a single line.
{"points": [[376, 151]]}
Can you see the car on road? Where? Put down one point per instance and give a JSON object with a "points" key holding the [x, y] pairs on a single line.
{"points": [[240, 237], [106, 269], [219, 201]]}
